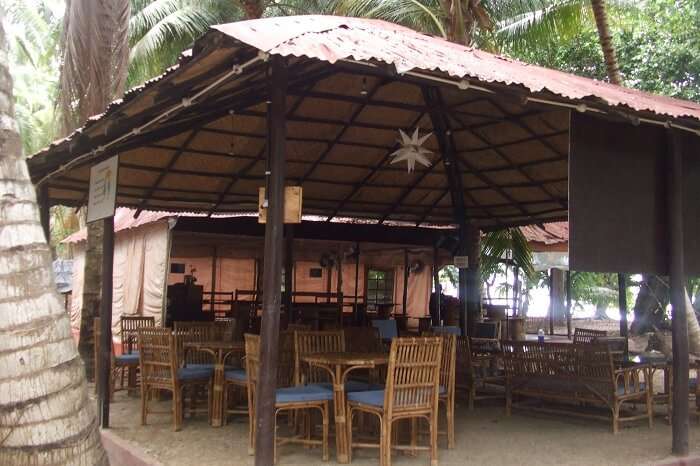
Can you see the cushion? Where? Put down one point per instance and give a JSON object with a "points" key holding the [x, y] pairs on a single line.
{"points": [[354, 386], [194, 373], [449, 329], [236, 375], [129, 358], [692, 383], [443, 390], [303, 393], [387, 328], [207, 366], [369, 397]]}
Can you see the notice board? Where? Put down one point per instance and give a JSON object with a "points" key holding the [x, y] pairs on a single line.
{"points": [[618, 197]]}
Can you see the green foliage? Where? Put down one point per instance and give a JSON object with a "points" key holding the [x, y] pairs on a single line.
{"points": [[509, 243], [599, 289], [33, 28], [658, 48]]}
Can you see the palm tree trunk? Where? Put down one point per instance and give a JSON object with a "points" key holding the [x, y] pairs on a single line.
{"points": [[45, 414], [253, 9], [92, 291], [606, 45]]}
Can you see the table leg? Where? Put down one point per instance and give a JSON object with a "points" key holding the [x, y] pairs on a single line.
{"points": [[217, 402], [341, 439]]}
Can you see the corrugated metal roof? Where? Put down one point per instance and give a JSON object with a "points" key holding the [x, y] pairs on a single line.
{"points": [[548, 233], [332, 38]]}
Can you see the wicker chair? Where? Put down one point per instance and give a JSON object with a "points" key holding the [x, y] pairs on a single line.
{"points": [[447, 383], [587, 335], [476, 375], [286, 399], [310, 342], [129, 328], [412, 391], [160, 371]]}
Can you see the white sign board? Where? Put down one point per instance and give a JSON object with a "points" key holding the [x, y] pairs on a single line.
{"points": [[103, 189], [461, 262]]}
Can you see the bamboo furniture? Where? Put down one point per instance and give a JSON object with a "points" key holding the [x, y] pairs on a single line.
{"points": [[311, 342], [363, 340], [580, 375], [129, 327], [448, 364], [220, 351], [160, 371], [286, 399], [487, 336], [411, 392], [477, 374], [586, 335], [338, 365]]}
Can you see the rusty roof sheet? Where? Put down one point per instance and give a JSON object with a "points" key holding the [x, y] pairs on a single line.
{"points": [[548, 233], [332, 38]]}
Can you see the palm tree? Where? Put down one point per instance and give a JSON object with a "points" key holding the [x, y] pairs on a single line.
{"points": [[95, 53], [606, 45], [46, 416]]}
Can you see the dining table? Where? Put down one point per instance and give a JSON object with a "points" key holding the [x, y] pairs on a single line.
{"points": [[220, 351], [339, 365]]}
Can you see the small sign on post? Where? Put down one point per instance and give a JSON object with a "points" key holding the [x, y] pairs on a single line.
{"points": [[461, 262], [103, 189]]}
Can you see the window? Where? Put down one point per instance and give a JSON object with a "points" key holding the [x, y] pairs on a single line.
{"points": [[380, 286]]}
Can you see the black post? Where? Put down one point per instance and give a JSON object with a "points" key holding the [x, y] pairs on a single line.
{"points": [[677, 287], [357, 282], [106, 321], [405, 282], [44, 212], [438, 289], [289, 271], [463, 281], [622, 301], [568, 304], [272, 271], [551, 301]]}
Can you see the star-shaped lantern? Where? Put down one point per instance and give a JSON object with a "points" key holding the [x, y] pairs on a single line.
{"points": [[412, 150]]}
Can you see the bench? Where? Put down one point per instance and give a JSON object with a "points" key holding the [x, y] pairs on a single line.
{"points": [[575, 376], [587, 335]]}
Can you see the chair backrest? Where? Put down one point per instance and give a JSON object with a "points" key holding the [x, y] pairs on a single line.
{"points": [[189, 332], [451, 329], [157, 356], [387, 328], [252, 363], [464, 368], [363, 340], [293, 327], [310, 342], [285, 359], [586, 335], [129, 326], [413, 375], [487, 330], [448, 362]]}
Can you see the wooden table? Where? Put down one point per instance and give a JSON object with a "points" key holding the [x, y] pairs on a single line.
{"points": [[221, 350], [338, 366]]}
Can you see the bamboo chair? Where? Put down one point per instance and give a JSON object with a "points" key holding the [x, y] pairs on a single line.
{"points": [[129, 328], [475, 374], [311, 342], [412, 391], [363, 340], [286, 399], [160, 371], [587, 335], [447, 383]]}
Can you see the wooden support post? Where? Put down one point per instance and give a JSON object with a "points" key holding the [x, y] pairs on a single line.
{"points": [[355, 310], [473, 305], [44, 211], [568, 304], [551, 301], [289, 272], [436, 317], [463, 286], [622, 301], [106, 321], [406, 271], [273, 256], [516, 285], [339, 287], [214, 261], [674, 190]]}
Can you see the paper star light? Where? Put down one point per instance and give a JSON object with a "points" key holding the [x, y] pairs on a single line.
{"points": [[412, 150]]}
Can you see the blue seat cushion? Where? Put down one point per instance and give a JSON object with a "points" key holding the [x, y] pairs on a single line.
{"points": [[303, 393], [236, 375], [354, 386], [443, 390], [369, 397], [194, 373], [129, 358]]}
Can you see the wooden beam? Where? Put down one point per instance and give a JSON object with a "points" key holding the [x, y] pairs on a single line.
{"points": [[106, 321], [622, 301], [289, 271], [679, 323], [437, 317], [272, 270], [568, 303]]}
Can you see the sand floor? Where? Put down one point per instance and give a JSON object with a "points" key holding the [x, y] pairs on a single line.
{"points": [[484, 437]]}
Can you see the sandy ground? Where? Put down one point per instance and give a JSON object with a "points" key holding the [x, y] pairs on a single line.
{"points": [[484, 437]]}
